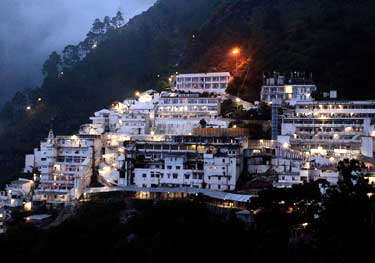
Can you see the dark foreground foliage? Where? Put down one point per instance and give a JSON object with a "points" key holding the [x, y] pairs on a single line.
{"points": [[191, 231]]}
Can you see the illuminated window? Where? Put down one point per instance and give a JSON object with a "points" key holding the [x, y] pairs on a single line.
{"points": [[289, 89]]}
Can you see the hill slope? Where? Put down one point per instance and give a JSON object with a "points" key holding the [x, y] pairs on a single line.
{"points": [[333, 39]]}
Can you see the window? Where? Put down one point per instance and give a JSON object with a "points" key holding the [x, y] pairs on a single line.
{"points": [[144, 175], [178, 167], [175, 176], [169, 167]]}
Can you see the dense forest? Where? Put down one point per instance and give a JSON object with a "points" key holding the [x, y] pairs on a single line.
{"points": [[332, 39]]}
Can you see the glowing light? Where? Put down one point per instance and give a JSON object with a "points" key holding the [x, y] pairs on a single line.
{"points": [[236, 51], [39, 99], [238, 100], [27, 206], [234, 126], [28, 108], [286, 145], [137, 94], [289, 89]]}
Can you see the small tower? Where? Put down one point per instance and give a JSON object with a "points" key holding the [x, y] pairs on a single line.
{"points": [[51, 136]]}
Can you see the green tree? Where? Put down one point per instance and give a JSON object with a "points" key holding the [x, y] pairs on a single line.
{"points": [[52, 67], [71, 56]]}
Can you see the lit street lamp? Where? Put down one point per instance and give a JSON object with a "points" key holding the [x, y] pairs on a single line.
{"points": [[236, 52]]}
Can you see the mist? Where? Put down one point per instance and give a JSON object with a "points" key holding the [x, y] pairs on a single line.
{"points": [[31, 29]]}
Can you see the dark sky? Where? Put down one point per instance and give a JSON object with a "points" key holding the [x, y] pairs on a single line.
{"points": [[31, 29]]}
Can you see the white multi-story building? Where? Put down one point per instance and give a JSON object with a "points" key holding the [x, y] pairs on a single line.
{"points": [[105, 120], [186, 161], [134, 124], [287, 88], [180, 113], [221, 171], [306, 175], [269, 157], [16, 193], [342, 129], [216, 82], [66, 167]]}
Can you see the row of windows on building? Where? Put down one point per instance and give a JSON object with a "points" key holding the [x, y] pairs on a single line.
{"points": [[198, 176], [202, 86], [201, 79]]}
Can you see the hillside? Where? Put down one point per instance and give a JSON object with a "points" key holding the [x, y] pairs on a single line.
{"points": [[127, 58], [333, 39]]}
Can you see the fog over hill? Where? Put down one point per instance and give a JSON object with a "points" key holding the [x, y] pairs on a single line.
{"points": [[31, 30]]}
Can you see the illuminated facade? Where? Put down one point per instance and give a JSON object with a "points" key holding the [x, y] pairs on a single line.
{"points": [[216, 82], [330, 128], [181, 113], [66, 167], [290, 88], [187, 161]]}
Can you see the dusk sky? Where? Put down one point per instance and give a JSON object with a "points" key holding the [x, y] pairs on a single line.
{"points": [[32, 29]]}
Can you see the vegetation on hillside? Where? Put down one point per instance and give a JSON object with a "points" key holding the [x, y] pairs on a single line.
{"points": [[140, 55], [332, 39]]}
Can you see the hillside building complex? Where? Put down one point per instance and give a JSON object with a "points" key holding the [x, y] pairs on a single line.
{"points": [[178, 140], [158, 113], [146, 142]]}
